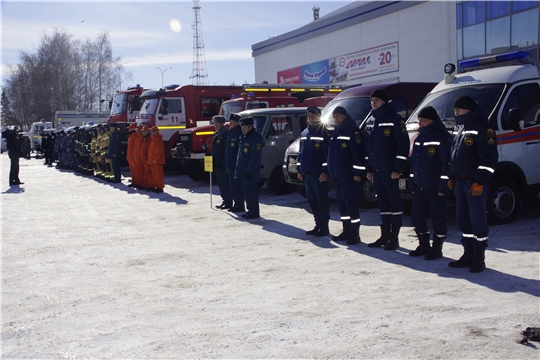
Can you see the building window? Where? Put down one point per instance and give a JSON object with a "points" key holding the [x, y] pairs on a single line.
{"points": [[523, 5], [525, 28], [473, 12], [460, 44], [459, 15], [474, 41], [495, 9], [498, 35]]}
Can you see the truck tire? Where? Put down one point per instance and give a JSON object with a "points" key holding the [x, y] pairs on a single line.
{"points": [[195, 170], [277, 184], [503, 200], [367, 194]]}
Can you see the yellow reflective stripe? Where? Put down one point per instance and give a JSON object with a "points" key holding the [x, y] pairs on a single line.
{"points": [[171, 127], [205, 133]]}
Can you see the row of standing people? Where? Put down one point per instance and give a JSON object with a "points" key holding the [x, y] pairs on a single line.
{"points": [[438, 163]]}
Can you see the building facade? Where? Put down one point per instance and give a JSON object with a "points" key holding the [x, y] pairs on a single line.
{"points": [[386, 41]]}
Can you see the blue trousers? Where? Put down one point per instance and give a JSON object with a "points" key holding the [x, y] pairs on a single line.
{"points": [[224, 187], [251, 192], [471, 217], [427, 203], [236, 189], [347, 194], [115, 160], [389, 198], [317, 195]]}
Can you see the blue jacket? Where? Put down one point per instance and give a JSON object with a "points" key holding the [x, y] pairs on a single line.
{"points": [[387, 142], [430, 157], [249, 156], [219, 145], [346, 152], [474, 148], [313, 154], [115, 145], [231, 150]]}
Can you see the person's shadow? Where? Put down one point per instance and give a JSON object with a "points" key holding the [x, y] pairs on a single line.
{"points": [[14, 190]]}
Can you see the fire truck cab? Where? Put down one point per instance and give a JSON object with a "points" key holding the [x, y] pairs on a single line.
{"points": [[178, 107], [509, 93]]}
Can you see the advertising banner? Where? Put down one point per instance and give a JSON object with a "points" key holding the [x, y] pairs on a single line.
{"points": [[315, 73], [374, 61], [290, 76]]}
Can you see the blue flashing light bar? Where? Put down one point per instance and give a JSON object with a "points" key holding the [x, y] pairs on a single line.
{"points": [[494, 59], [233, 96]]}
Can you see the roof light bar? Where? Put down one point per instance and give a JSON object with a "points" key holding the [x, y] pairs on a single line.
{"points": [[494, 59]]}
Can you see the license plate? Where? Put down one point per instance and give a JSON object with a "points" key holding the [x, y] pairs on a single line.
{"points": [[184, 138], [402, 184]]}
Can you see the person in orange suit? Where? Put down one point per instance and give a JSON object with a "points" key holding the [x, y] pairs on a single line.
{"points": [[130, 155], [142, 161], [156, 160]]}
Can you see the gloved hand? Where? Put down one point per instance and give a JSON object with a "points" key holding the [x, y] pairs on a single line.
{"points": [[249, 176], [451, 185], [476, 189]]}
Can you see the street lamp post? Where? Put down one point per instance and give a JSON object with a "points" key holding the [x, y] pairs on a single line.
{"points": [[162, 72]]}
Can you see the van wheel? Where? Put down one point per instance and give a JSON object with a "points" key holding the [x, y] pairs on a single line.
{"points": [[503, 200], [277, 184], [302, 190], [195, 170], [368, 196]]}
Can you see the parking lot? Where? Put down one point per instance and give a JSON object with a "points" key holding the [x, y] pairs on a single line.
{"points": [[98, 270]]}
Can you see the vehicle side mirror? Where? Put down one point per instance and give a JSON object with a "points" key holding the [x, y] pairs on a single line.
{"points": [[164, 107], [517, 122]]}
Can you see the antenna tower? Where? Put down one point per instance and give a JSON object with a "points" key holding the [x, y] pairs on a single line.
{"points": [[199, 73]]}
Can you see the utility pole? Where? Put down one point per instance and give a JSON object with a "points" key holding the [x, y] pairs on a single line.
{"points": [[199, 73]]}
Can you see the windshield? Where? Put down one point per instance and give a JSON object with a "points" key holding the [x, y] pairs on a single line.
{"points": [[357, 107], [149, 107], [119, 104], [258, 122], [232, 107], [443, 101]]}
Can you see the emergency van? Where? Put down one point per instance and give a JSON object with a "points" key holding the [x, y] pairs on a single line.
{"points": [[35, 132], [507, 88]]}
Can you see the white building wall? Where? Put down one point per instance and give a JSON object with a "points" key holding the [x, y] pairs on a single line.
{"points": [[426, 36]]}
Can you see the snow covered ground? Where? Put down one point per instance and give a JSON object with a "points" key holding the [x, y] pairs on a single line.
{"points": [[98, 270]]}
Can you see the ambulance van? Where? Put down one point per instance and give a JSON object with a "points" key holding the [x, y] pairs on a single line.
{"points": [[507, 88]]}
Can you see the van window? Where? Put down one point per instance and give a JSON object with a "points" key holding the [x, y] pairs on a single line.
{"points": [[357, 108], [175, 106], [526, 97], [280, 126], [400, 107]]}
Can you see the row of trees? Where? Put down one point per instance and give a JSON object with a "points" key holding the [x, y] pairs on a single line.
{"points": [[64, 74]]}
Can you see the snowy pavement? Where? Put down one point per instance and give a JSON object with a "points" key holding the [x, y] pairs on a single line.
{"points": [[92, 270]]}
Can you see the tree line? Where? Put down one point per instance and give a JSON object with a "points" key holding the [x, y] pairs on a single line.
{"points": [[63, 74]]}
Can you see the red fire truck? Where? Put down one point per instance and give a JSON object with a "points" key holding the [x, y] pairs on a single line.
{"points": [[179, 107], [125, 104], [193, 144]]}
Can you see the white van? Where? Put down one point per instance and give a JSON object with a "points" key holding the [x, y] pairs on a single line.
{"points": [[509, 94], [35, 132]]}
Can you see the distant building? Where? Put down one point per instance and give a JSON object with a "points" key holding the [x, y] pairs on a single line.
{"points": [[383, 41]]}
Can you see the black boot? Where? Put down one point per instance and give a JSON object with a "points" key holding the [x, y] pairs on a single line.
{"points": [[316, 228], [346, 231], [385, 236], [393, 244], [478, 264], [423, 248], [465, 260], [435, 251], [323, 228], [355, 234]]}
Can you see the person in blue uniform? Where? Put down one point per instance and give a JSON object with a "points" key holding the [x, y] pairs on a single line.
{"points": [[387, 151], [313, 169], [428, 180], [346, 165], [248, 166], [472, 162], [115, 152], [231, 154], [219, 144]]}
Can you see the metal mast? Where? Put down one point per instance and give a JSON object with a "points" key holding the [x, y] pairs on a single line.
{"points": [[199, 73]]}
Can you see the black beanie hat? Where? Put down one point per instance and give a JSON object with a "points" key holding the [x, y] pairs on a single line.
{"points": [[339, 110], [313, 110], [465, 102], [428, 113], [381, 94]]}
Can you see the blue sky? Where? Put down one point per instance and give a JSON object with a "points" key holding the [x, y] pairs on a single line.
{"points": [[142, 36]]}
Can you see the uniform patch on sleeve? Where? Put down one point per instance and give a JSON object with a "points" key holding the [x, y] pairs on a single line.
{"points": [[358, 137], [491, 137], [387, 132], [259, 147]]}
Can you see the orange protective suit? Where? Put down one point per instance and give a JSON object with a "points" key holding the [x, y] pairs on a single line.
{"points": [[130, 157], [142, 162], [156, 160]]}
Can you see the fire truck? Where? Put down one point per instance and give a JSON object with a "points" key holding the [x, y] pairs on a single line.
{"points": [[195, 143], [125, 104], [507, 88], [179, 107]]}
